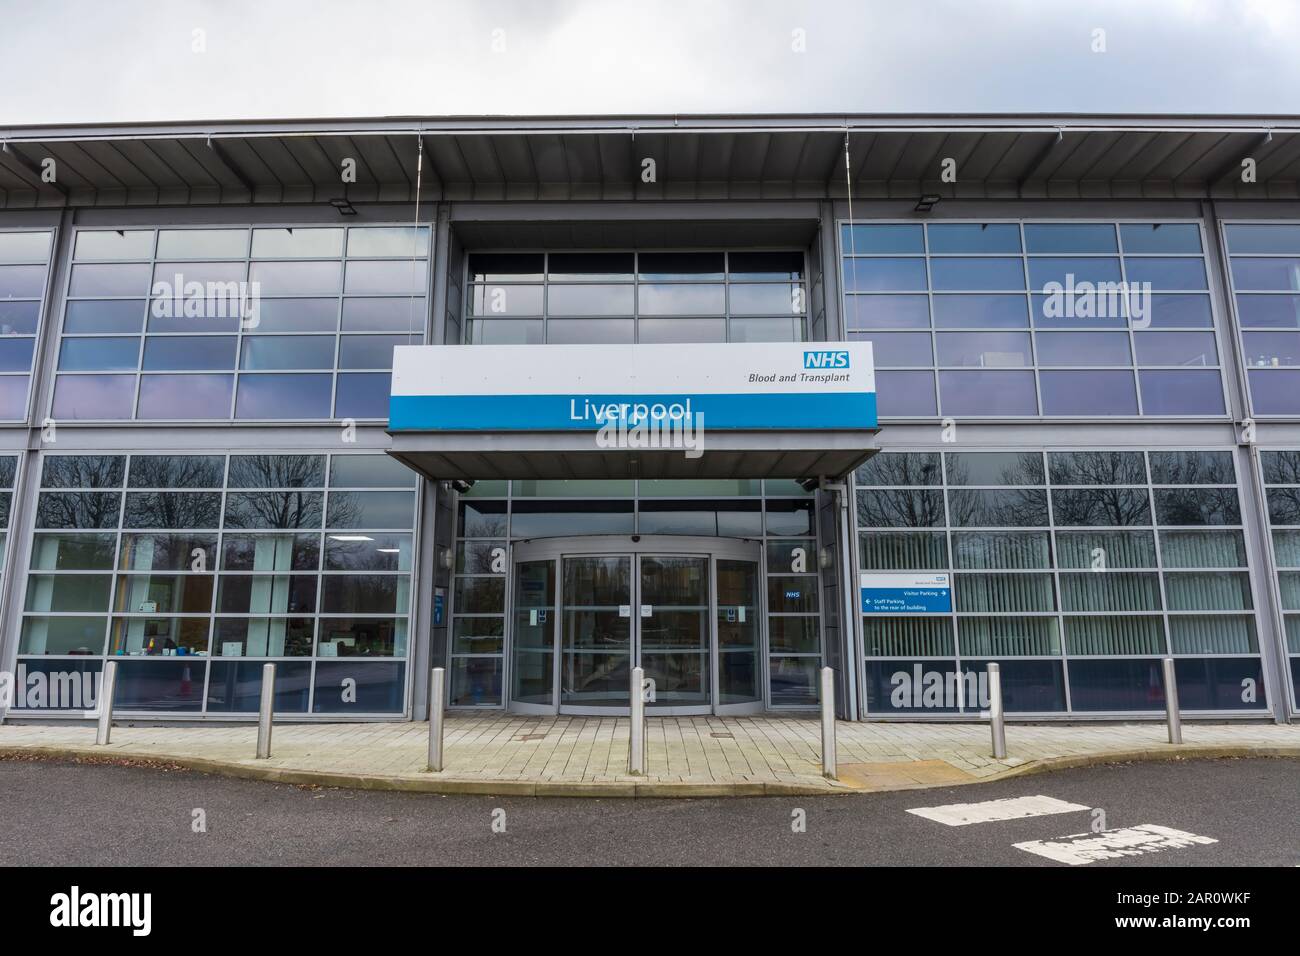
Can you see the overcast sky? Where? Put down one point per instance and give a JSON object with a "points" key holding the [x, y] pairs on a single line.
{"points": [[69, 61]]}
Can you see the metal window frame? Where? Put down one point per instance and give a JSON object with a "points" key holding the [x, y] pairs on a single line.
{"points": [[803, 318], [143, 335], [1134, 367], [42, 309], [1231, 292], [1164, 612], [117, 573]]}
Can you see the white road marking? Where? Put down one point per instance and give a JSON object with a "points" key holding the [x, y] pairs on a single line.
{"points": [[990, 811], [1080, 848]]}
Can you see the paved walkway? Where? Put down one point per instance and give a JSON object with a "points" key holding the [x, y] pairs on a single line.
{"points": [[687, 756]]}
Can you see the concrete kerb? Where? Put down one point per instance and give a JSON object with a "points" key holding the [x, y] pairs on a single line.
{"points": [[410, 783]]}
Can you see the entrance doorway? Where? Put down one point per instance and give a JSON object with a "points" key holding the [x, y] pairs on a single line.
{"points": [[585, 611]]}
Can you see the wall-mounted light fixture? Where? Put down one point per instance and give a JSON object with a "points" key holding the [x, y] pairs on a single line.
{"points": [[926, 202], [344, 206]]}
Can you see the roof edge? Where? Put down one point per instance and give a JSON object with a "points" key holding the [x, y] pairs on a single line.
{"points": [[488, 124]]}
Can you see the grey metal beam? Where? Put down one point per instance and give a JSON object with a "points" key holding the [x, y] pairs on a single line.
{"points": [[1234, 165], [672, 124], [1037, 162], [223, 157], [16, 157]]}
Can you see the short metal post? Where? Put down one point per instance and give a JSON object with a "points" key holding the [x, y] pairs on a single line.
{"points": [[828, 723], [264, 714], [437, 712], [997, 719], [107, 681], [1171, 702], [636, 739]]}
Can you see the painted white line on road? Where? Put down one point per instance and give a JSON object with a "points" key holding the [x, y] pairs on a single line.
{"points": [[990, 811], [1080, 848]]}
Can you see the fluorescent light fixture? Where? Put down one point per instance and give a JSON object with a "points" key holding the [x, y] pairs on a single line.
{"points": [[350, 537], [389, 550]]}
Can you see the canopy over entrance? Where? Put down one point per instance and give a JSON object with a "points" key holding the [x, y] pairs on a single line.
{"points": [[739, 410]]}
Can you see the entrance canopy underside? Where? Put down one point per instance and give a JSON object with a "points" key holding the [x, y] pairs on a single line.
{"points": [[443, 456]]}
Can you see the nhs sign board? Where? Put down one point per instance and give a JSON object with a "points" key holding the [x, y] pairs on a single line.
{"points": [[742, 385], [837, 358]]}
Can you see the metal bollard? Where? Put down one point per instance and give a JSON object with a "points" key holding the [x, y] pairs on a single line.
{"points": [[437, 712], [1171, 702], [828, 723], [264, 713], [997, 719], [636, 739], [107, 682]]}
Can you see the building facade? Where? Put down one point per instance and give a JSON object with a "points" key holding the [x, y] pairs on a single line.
{"points": [[1086, 357]]}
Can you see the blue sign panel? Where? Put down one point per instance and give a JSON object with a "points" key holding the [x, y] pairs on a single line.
{"points": [[906, 593]]}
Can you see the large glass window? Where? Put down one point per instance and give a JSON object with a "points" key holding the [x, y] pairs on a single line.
{"points": [[1034, 319], [494, 512], [24, 269], [1076, 570], [1282, 489], [1264, 269], [8, 476], [265, 323], [626, 297], [193, 570]]}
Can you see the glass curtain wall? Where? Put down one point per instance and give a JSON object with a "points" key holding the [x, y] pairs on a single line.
{"points": [[192, 571], [8, 476], [626, 297], [1264, 260], [24, 271], [1282, 489], [1076, 571], [160, 323], [494, 512], [980, 320]]}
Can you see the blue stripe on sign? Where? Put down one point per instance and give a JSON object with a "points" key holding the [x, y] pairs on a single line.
{"points": [[821, 410], [906, 600]]}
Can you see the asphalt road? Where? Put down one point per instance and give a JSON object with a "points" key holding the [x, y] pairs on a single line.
{"points": [[54, 813]]}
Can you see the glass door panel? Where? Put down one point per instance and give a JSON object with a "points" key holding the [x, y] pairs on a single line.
{"points": [[739, 643], [596, 633], [673, 619], [533, 670]]}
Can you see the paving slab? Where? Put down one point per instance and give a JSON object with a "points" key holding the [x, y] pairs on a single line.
{"points": [[688, 756]]}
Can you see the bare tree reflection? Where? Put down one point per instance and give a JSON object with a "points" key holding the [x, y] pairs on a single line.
{"points": [[901, 509], [78, 509], [83, 471]]}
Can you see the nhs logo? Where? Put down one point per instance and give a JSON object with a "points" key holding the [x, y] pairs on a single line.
{"points": [[838, 359]]}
